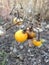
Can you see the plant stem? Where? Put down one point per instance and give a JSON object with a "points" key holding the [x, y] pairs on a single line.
{"points": [[12, 25], [38, 35]]}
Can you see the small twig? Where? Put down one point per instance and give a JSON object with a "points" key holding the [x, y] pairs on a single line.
{"points": [[21, 6], [38, 35], [12, 26]]}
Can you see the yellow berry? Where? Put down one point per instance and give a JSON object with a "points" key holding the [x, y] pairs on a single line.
{"points": [[31, 35], [14, 20], [20, 36], [37, 43]]}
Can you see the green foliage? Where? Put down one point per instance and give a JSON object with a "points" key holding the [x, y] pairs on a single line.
{"points": [[3, 55]]}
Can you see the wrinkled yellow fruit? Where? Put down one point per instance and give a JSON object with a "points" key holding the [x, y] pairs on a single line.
{"points": [[14, 20], [37, 43], [31, 35], [18, 21], [20, 36]]}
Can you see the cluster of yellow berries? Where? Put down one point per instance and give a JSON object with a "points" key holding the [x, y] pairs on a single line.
{"points": [[20, 36]]}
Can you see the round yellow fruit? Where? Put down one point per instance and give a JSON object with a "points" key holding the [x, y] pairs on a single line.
{"points": [[20, 36], [37, 43]]}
